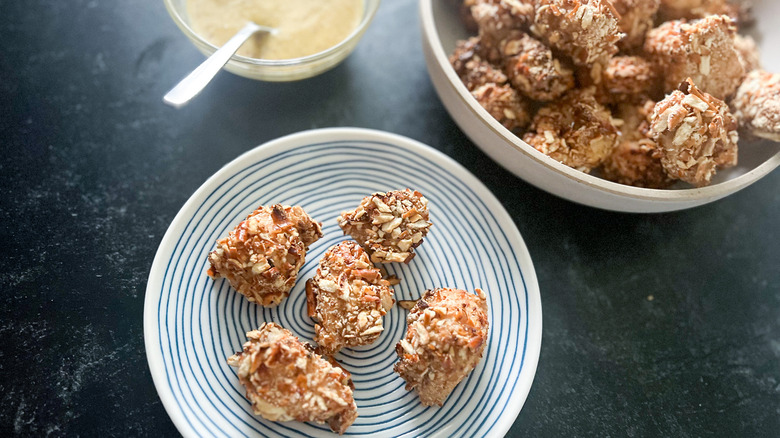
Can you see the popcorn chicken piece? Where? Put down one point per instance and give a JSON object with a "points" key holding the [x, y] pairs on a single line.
{"points": [[532, 69], [575, 130], [586, 30], [702, 50], [636, 19], [285, 380], [447, 331], [747, 50], [472, 69], [347, 298], [496, 19], [629, 79], [625, 79], [757, 105], [389, 225], [504, 104], [635, 161], [261, 257], [696, 134]]}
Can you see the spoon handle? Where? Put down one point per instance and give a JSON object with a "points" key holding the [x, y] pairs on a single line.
{"points": [[194, 83]]}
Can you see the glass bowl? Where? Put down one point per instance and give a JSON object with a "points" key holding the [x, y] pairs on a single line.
{"points": [[276, 70]]}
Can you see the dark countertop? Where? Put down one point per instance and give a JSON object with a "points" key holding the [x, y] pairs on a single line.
{"points": [[663, 324]]}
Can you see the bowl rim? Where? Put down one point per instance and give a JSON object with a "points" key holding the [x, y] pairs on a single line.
{"points": [[717, 190], [370, 9]]}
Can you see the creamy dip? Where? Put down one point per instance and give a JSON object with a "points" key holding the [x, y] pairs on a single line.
{"points": [[305, 27]]}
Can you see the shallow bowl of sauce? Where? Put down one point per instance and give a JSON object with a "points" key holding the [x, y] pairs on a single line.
{"points": [[312, 36]]}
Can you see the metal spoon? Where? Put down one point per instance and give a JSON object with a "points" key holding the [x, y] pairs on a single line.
{"points": [[194, 83]]}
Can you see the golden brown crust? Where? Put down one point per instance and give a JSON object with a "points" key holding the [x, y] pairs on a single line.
{"points": [[388, 225], [702, 50], [635, 161], [504, 104], [496, 19], [696, 134], [636, 19], [757, 105], [532, 69], [586, 30], [625, 79], [261, 257], [285, 380], [629, 79], [447, 331], [470, 66], [575, 130], [347, 298]]}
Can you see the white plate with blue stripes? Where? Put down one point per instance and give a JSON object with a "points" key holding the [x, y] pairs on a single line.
{"points": [[192, 323]]}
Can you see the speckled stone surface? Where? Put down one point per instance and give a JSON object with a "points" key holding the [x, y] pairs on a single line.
{"points": [[662, 325]]}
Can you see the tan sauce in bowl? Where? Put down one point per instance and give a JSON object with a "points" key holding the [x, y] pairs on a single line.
{"points": [[305, 27]]}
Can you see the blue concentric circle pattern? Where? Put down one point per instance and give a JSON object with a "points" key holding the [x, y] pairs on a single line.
{"points": [[193, 323]]}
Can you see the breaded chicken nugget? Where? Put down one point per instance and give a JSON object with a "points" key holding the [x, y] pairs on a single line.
{"points": [[696, 134], [261, 257], [347, 298], [586, 30], [532, 69], [473, 70], [447, 331], [388, 225], [575, 130], [636, 161], [286, 380], [702, 50], [757, 104], [636, 19], [504, 104]]}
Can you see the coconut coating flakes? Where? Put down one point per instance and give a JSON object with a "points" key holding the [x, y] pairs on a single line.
{"points": [[636, 19], [625, 79], [629, 78], [347, 298], [504, 104], [635, 161], [389, 226], [702, 50], [757, 104], [285, 380], [575, 130], [447, 331], [472, 69], [586, 30], [261, 257], [496, 19], [696, 134], [533, 70]]}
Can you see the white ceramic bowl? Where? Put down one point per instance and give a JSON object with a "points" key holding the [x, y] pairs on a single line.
{"points": [[441, 27], [276, 70]]}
